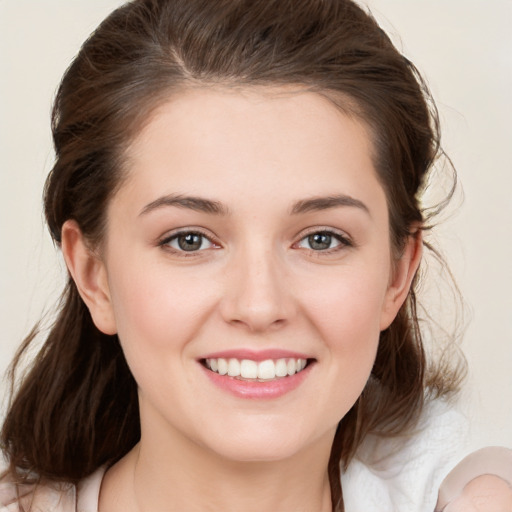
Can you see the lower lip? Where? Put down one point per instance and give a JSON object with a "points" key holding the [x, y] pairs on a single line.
{"points": [[258, 390]]}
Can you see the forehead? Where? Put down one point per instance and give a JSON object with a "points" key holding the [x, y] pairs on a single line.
{"points": [[279, 142]]}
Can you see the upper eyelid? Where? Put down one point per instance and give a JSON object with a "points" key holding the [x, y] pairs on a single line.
{"points": [[323, 229], [171, 235], [338, 233], [345, 241]]}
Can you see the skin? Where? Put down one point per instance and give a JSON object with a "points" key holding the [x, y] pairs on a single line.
{"points": [[481, 482], [486, 493], [255, 283]]}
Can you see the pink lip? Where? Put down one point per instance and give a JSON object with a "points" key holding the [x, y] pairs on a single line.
{"points": [[257, 390], [257, 355]]}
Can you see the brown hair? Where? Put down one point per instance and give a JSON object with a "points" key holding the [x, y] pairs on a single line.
{"points": [[77, 408]]}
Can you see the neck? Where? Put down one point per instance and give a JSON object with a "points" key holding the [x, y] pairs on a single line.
{"points": [[185, 476], [229, 486]]}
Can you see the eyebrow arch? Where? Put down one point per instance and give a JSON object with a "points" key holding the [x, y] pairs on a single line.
{"points": [[324, 203], [198, 204]]}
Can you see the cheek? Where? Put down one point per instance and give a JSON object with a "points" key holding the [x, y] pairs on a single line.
{"points": [[157, 313], [347, 309], [346, 313]]}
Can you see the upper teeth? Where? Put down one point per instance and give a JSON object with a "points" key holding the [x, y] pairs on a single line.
{"points": [[249, 369]]}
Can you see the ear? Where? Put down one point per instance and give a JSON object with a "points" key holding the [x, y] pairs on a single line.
{"points": [[401, 279], [90, 276]]}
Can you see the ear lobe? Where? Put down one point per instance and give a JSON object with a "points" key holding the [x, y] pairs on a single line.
{"points": [[90, 276], [402, 277]]}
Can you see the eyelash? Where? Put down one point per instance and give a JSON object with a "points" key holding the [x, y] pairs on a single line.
{"points": [[165, 242], [342, 239]]}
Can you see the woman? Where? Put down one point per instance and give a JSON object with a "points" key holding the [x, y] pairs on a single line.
{"points": [[236, 198]]}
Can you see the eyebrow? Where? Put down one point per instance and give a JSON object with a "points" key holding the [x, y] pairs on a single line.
{"points": [[210, 206], [324, 203], [198, 204]]}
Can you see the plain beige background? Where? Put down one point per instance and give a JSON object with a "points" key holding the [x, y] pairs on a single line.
{"points": [[463, 47]]}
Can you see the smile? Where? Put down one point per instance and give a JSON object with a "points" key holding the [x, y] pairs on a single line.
{"points": [[247, 369]]}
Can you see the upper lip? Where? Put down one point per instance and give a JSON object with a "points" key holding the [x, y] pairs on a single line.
{"points": [[256, 355]]}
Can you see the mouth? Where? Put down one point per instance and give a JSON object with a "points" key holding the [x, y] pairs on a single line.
{"points": [[257, 371]]}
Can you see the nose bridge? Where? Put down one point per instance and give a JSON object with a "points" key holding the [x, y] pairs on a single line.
{"points": [[257, 295]]}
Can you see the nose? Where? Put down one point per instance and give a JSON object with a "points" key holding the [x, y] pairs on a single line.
{"points": [[257, 293]]}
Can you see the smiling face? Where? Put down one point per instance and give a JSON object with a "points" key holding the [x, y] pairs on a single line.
{"points": [[247, 270]]}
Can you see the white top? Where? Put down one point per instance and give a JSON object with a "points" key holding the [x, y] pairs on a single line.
{"points": [[404, 475], [388, 475]]}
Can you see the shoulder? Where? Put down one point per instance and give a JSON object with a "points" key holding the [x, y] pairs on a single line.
{"points": [[42, 497], [49, 496], [403, 473]]}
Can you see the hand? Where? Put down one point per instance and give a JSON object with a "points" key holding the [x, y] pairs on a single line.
{"points": [[480, 483]]}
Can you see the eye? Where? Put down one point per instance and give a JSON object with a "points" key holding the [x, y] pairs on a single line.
{"points": [[323, 241], [188, 241]]}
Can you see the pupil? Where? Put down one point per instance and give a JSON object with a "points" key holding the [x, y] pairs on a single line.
{"points": [[190, 242], [319, 241]]}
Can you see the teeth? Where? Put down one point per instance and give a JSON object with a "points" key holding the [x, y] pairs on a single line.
{"points": [[233, 367], [222, 365], [248, 369], [262, 370], [266, 369], [292, 366], [281, 368]]}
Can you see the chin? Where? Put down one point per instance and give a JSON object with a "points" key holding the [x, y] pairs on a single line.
{"points": [[268, 441]]}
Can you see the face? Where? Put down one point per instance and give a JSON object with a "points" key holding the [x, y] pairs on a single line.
{"points": [[248, 272]]}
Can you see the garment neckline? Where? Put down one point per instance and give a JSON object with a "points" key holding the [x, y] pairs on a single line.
{"points": [[88, 491]]}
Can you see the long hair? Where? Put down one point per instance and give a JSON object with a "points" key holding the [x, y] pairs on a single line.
{"points": [[76, 409]]}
